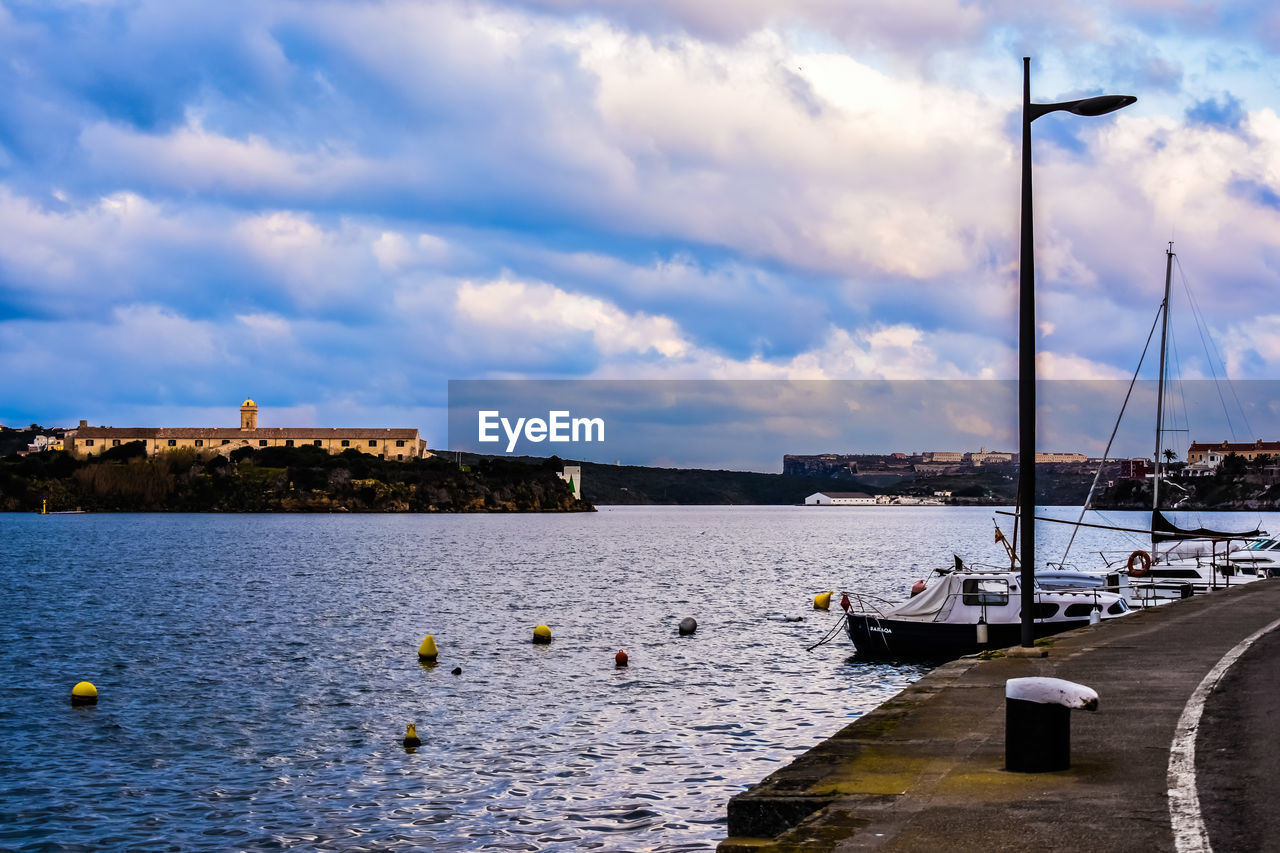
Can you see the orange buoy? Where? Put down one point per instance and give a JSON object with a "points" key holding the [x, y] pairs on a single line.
{"points": [[620, 659], [1139, 564], [917, 588]]}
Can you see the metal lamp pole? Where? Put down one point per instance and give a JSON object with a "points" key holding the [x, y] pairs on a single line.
{"points": [[1027, 337]]}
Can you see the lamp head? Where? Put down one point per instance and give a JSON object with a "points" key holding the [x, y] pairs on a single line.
{"points": [[1101, 105]]}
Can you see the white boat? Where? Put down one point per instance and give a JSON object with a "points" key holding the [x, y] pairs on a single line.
{"points": [[965, 611], [1200, 558], [1181, 560]]}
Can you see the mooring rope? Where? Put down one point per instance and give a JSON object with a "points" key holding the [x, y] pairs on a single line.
{"points": [[830, 634]]}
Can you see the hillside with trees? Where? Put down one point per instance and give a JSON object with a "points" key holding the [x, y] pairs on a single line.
{"points": [[1238, 483], [276, 479]]}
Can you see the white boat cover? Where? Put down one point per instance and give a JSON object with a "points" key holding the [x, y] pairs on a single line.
{"points": [[934, 598]]}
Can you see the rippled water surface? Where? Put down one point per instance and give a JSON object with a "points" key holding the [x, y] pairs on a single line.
{"points": [[256, 672]]}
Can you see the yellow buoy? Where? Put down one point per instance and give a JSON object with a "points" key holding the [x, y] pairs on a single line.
{"points": [[427, 651], [411, 738], [822, 601], [84, 693], [542, 634]]}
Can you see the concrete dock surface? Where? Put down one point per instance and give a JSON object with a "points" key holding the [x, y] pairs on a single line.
{"points": [[925, 771]]}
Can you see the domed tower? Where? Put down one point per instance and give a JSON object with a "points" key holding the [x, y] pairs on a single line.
{"points": [[248, 415]]}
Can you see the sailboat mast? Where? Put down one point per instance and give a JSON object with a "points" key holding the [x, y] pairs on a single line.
{"points": [[1164, 342]]}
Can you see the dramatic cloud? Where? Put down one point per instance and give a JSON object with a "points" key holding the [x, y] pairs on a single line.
{"points": [[336, 207]]}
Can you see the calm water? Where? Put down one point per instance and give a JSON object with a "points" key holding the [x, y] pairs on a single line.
{"points": [[256, 672]]}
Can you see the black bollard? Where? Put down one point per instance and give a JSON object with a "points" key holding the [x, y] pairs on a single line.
{"points": [[1037, 722], [1037, 737]]}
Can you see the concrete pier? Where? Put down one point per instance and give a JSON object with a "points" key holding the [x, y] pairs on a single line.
{"points": [[925, 770]]}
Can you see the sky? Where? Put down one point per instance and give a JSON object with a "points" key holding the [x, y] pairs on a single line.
{"points": [[336, 208]]}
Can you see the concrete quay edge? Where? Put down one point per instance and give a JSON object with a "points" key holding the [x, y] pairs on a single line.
{"points": [[925, 769]]}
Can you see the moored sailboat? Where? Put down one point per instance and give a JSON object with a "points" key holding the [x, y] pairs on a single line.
{"points": [[1180, 560]]}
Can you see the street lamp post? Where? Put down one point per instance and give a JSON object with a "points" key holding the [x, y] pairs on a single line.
{"points": [[1027, 336]]}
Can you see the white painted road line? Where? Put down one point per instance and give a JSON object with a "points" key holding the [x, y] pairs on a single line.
{"points": [[1189, 833]]}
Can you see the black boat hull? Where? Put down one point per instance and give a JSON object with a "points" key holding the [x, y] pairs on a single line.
{"points": [[900, 638]]}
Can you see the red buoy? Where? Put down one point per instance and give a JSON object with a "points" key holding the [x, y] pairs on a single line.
{"points": [[620, 659], [844, 602], [917, 588]]}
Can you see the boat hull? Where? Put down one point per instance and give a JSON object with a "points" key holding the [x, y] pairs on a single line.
{"points": [[902, 638]]}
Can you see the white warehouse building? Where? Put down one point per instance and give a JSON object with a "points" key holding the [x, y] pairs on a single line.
{"points": [[840, 499]]}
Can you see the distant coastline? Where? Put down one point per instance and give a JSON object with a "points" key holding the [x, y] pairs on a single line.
{"points": [[307, 479], [276, 479]]}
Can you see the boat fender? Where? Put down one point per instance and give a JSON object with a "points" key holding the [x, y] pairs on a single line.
{"points": [[1139, 564], [917, 588]]}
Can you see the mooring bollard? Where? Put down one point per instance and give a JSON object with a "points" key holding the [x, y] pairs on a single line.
{"points": [[1037, 722]]}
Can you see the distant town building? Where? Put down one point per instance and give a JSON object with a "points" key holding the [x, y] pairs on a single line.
{"points": [[1061, 457], [1136, 469], [839, 499], [988, 457], [397, 444], [1213, 454], [820, 465], [41, 443], [861, 465], [935, 467]]}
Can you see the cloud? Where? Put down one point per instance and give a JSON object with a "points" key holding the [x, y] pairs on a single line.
{"points": [[1226, 113], [529, 317], [574, 188], [191, 160]]}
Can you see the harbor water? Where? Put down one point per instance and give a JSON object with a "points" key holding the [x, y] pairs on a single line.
{"points": [[256, 672]]}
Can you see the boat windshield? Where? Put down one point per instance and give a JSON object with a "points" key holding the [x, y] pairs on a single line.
{"points": [[981, 592]]}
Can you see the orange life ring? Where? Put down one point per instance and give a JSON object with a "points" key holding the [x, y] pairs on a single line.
{"points": [[1139, 557]]}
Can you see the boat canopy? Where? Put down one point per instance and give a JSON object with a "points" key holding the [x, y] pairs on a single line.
{"points": [[1164, 530], [968, 588], [929, 602]]}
